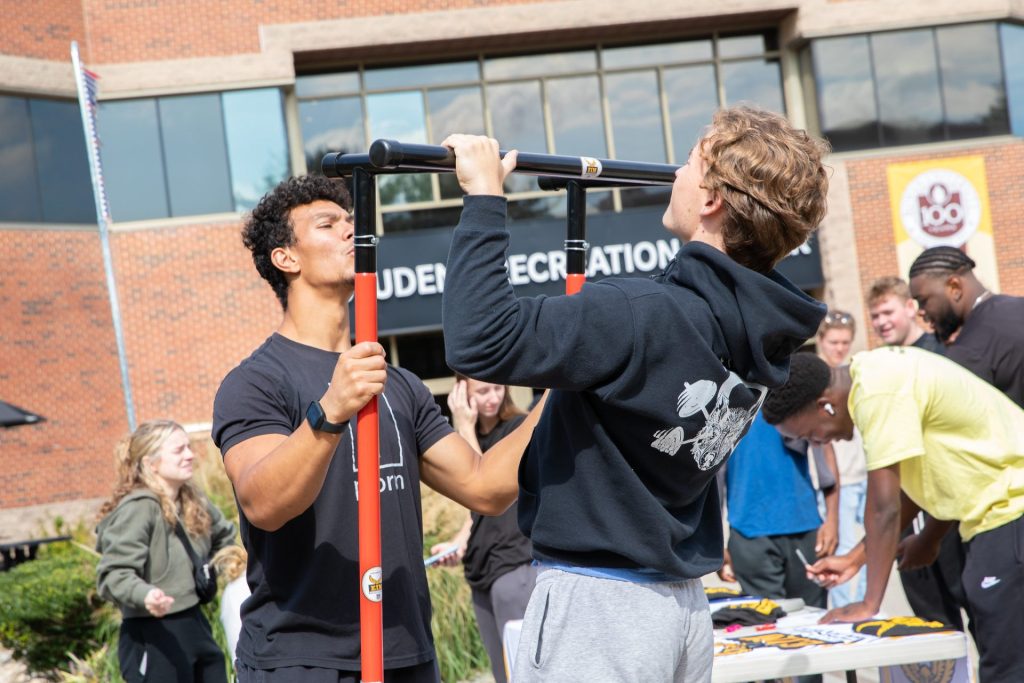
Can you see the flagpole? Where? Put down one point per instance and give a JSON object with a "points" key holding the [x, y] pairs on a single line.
{"points": [[85, 82]]}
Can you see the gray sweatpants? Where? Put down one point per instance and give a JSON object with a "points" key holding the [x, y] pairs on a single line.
{"points": [[581, 628]]}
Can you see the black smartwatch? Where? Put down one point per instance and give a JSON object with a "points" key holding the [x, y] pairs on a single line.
{"points": [[318, 421]]}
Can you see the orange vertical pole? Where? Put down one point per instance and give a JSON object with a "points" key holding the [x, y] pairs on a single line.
{"points": [[371, 621]]}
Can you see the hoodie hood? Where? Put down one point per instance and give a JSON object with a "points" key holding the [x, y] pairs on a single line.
{"points": [[763, 318], [136, 494]]}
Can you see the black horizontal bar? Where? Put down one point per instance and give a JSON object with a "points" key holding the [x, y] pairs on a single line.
{"points": [[555, 183], [391, 154]]}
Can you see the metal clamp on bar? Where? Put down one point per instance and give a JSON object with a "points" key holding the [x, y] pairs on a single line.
{"points": [[576, 245], [365, 241]]}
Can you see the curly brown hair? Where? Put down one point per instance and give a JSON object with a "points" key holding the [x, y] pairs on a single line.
{"points": [[269, 226], [771, 179]]}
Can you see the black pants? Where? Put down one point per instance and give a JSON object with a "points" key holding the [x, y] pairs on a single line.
{"points": [[993, 579], [768, 566], [935, 592], [178, 648], [420, 673]]}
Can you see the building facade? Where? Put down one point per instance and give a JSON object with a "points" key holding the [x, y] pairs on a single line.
{"points": [[205, 106]]}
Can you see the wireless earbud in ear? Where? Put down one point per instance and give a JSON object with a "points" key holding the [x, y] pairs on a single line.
{"points": [[829, 409]]}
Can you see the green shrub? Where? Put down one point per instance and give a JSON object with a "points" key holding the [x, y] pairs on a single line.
{"points": [[49, 608], [460, 652]]}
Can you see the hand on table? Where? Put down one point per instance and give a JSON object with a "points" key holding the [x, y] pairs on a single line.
{"points": [[855, 611]]}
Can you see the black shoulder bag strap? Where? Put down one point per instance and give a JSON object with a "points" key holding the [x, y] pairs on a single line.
{"points": [[200, 570]]}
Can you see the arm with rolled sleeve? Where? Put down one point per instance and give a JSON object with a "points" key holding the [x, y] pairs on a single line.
{"points": [[564, 342]]}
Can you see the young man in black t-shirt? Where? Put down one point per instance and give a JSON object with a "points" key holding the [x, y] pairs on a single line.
{"points": [[284, 421], [989, 327]]}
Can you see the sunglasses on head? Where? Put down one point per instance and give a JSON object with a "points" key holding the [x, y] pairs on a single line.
{"points": [[838, 318]]}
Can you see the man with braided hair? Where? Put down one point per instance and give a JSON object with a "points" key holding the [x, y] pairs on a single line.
{"points": [[955, 445], [990, 342], [653, 381]]}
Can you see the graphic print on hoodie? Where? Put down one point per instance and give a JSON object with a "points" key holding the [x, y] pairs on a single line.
{"points": [[653, 383]]}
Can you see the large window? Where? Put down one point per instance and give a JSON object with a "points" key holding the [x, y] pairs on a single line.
{"points": [[153, 147], [915, 86], [44, 166], [643, 102]]}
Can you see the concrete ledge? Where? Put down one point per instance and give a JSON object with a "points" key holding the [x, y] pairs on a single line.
{"points": [[31, 76], [37, 521]]}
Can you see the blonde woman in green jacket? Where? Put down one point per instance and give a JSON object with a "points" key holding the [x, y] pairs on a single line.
{"points": [[145, 568]]}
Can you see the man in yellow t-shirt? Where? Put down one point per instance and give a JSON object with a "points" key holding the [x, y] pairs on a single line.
{"points": [[955, 445]]}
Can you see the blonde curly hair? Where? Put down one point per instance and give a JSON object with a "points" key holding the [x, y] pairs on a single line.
{"points": [[772, 182], [131, 455]]}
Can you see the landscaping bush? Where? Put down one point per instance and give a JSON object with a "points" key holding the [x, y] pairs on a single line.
{"points": [[460, 652], [49, 608]]}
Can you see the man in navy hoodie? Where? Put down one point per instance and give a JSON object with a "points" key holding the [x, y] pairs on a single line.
{"points": [[654, 381]]}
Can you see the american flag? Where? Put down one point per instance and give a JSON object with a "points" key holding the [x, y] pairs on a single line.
{"points": [[87, 89]]}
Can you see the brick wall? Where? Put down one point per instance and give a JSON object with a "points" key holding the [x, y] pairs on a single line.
{"points": [[166, 29], [193, 306], [58, 357], [43, 30], [872, 217]]}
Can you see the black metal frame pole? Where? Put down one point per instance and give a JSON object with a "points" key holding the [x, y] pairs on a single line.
{"points": [[575, 236]]}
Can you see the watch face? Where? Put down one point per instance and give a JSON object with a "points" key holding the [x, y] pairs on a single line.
{"points": [[315, 415]]}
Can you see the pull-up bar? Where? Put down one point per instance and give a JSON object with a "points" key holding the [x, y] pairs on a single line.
{"points": [[400, 156], [387, 157]]}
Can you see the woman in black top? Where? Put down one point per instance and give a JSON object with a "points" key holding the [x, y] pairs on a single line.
{"points": [[496, 557]]}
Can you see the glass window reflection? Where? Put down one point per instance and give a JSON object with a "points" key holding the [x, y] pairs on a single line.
{"points": [[636, 116], [454, 110], [656, 55], [846, 93], [1012, 42], [421, 76], [692, 101], [531, 66], [326, 85], [19, 197], [257, 143], [758, 81], [399, 116], [576, 116], [972, 81], [907, 79], [746, 45], [133, 161], [331, 126], [518, 123], [192, 129], [62, 162]]}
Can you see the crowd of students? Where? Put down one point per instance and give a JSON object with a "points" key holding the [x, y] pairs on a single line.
{"points": [[614, 475]]}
